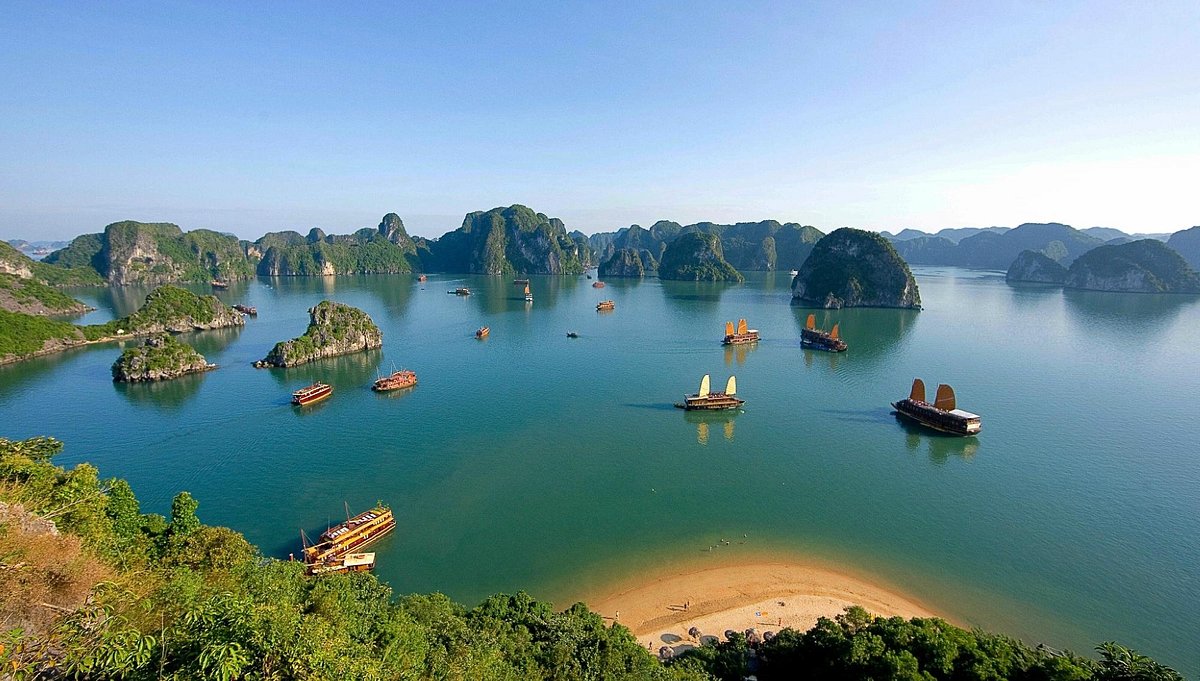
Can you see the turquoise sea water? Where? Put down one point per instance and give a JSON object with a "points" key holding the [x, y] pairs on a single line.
{"points": [[533, 461]]}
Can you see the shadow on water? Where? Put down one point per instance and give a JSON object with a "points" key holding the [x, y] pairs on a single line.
{"points": [[873, 333], [874, 415], [653, 406], [344, 372], [1134, 316], [939, 447], [163, 395]]}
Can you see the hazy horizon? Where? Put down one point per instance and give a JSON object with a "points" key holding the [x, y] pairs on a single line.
{"points": [[260, 117]]}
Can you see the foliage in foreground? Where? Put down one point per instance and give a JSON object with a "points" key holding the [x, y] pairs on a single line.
{"points": [[124, 595]]}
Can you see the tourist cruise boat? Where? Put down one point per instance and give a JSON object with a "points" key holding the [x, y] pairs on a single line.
{"points": [[313, 393], [483, 332], [740, 335], [338, 548], [605, 305], [711, 401], [943, 415], [464, 291], [397, 381], [812, 337], [528, 294]]}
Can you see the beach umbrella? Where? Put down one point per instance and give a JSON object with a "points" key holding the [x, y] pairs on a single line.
{"points": [[694, 633], [730, 633], [768, 635], [666, 652]]}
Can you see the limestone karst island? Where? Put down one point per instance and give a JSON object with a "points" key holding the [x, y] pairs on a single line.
{"points": [[579, 342]]}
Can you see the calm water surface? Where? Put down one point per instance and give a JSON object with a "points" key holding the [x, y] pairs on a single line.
{"points": [[533, 461]]}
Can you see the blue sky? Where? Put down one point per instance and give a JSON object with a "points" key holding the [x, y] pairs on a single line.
{"points": [[249, 117]]}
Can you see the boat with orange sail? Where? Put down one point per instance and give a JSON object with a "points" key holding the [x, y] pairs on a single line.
{"points": [[398, 380], [338, 549], [528, 294], [313, 393], [812, 337], [943, 415], [706, 400], [740, 334], [483, 332]]}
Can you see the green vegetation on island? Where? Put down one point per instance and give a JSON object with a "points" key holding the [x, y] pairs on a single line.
{"points": [[385, 250], [32, 296], [765, 246], [696, 256], [25, 335], [1187, 244], [333, 329], [160, 357], [92, 588], [1144, 266], [855, 268], [506, 241], [1037, 268], [170, 308], [623, 263], [996, 249]]}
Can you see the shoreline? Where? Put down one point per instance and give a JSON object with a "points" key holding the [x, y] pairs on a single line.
{"points": [[766, 594]]}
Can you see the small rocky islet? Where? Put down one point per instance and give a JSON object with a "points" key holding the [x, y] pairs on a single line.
{"points": [[1143, 266], [160, 357], [334, 329]]}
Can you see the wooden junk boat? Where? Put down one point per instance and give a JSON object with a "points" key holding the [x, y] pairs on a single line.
{"points": [[597, 284], [710, 401], [812, 337], [464, 291], [338, 549], [313, 393], [219, 284], [246, 309], [739, 335], [943, 415], [483, 332], [422, 278], [605, 305], [397, 381]]}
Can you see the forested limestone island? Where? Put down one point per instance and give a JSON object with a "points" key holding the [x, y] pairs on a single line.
{"points": [[387, 249], [93, 588], [1145, 266], [161, 357], [1035, 267], [855, 268], [1187, 244], [747, 246], [334, 329], [696, 256], [996, 248], [167, 309], [623, 263]]}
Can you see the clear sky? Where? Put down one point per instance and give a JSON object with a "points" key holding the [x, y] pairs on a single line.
{"points": [[248, 117]]}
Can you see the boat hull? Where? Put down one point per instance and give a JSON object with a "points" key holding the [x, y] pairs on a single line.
{"points": [[711, 403], [943, 422], [305, 397], [740, 339]]}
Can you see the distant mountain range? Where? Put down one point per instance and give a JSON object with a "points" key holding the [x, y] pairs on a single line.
{"points": [[36, 249]]}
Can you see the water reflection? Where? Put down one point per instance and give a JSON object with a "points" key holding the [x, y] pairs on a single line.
{"points": [[738, 353], [704, 420], [211, 341], [692, 295], [1134, 317], [873, 334], [164, 395], [939, 447]]}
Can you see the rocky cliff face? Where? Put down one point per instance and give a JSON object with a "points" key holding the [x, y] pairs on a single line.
{"points": [[854, 268], [386, 249], [624, 263], [158, 253], [171, 309], [508, 241], [1034, 267], [1145, 266], [160, 358], [334, 329], [696, 256], [31, 296]]}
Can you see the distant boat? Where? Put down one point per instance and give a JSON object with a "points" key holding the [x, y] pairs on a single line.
{"points": [[572, 334], [597, 284], [246, 309], [397, 381], [605, 306], [520, 282], [422, 278], [739, 335], [313, 393], [483, 332], [812, 337], [528, 294], [943, 415], [794, 272], [710, 401], [336, 548], [219, 284], [464, 291], [589, 276]]}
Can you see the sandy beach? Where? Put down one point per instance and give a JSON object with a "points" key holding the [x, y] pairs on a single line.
{"points": [[767, 596]]}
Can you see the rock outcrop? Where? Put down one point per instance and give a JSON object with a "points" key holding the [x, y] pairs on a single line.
{"points": [[696, 256], [1035, 267], [508, 241], [172, 309], [160, 358], [387, 249], [855, 268], [1187, 244], [624, 263], [334, 329], [1144, 266]]}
